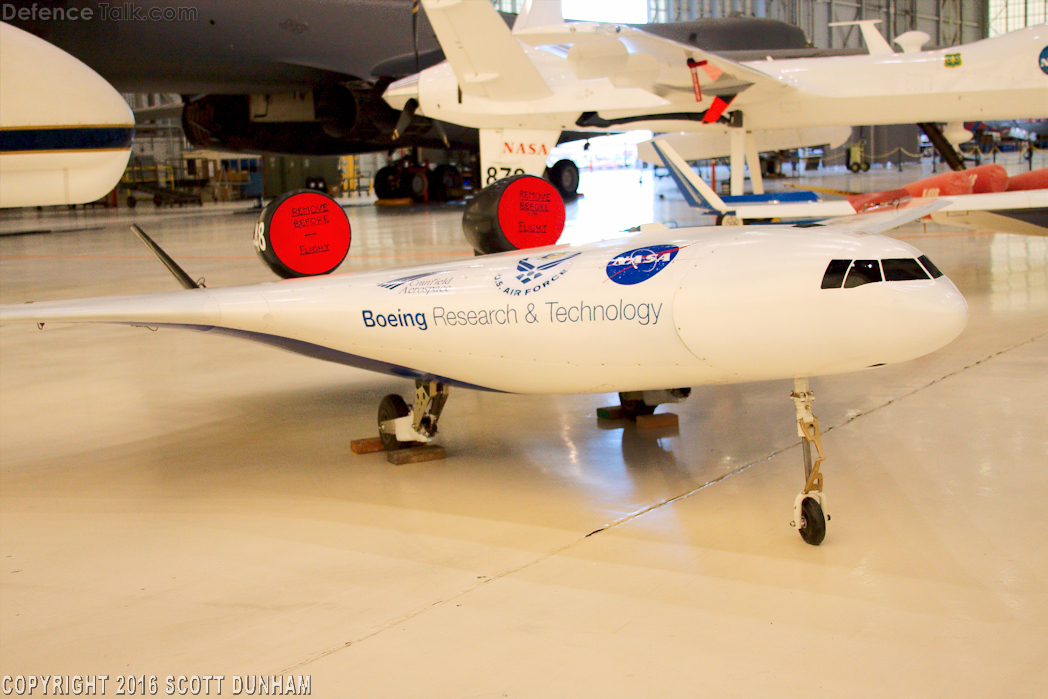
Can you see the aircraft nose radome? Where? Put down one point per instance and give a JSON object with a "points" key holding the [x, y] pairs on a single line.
{"points": [[939, 315]]}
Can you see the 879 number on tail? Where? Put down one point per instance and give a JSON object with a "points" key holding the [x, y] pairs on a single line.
{"points": [[493, 174]]}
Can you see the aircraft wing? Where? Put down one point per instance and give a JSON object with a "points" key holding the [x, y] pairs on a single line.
{"points": [[483, 53], [667, 60], [1022, 212]]}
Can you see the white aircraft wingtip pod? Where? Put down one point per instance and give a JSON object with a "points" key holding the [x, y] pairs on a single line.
{"points": [[65, 133], [646, 315]]}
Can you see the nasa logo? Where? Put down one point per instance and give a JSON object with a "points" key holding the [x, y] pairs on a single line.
{"points": [[535, 273], [636, 266], [524, 148], [1044, 60]]}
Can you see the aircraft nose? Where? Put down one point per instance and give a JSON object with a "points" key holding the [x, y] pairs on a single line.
{"points": [[940, 314]]}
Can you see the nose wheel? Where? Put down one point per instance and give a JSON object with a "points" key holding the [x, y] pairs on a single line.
{"points": [[808, 508], [400, 426]]}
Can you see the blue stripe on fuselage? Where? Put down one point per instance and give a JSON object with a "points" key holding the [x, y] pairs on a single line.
{"points": [[327, 354], [66, 138]]}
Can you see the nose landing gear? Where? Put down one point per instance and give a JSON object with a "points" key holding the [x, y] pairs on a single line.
{"points": [[808, 507], [400, 426]]}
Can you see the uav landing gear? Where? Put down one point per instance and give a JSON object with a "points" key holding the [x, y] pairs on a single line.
{"points": [[637, 403], [808, 516], [400, 426]]}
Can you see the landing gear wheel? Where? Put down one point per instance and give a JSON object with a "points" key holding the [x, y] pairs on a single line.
{"points": [[131, 201], [417, 185], [391, 407], [565, 177], [865, 167], [855, 167], [387, 183], [444, 182], [813, 522]]}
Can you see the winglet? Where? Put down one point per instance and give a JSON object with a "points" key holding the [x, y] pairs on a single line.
{"points": [[696, 192], [180, 274]]}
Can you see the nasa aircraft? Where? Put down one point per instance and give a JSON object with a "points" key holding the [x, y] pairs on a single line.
{"points": [[65, 133], [647, 315], [1023, 211], [522, 89]]}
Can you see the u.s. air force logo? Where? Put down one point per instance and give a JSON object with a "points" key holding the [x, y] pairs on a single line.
{"points": [[534, 273], [635, 266]]}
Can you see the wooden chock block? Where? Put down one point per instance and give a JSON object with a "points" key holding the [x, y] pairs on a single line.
{"points": [[366, 446], [650, 422], [415, 455], [612, 413]]}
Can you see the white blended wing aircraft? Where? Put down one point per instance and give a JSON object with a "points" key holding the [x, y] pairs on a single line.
{"points": [[521, 89], [645, 315], [1023, 211], [65, 133]]}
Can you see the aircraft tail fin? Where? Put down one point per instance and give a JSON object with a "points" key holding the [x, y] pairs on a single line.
{"points": [[696, 192], [539, 13], [487, 60], [875, 42]]}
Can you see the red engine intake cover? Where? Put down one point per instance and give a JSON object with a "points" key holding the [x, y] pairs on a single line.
{"points": [[519, 212], [303, 234]]}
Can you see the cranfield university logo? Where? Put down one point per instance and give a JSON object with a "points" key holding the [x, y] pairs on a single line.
{"points": [[535, 273], [421, 284], [641, 264]]}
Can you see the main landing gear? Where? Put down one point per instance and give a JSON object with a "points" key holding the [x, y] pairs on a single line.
{"points": [[400, 426], [808, 516]]}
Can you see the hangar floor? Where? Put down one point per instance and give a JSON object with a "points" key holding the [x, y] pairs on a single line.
{"points": [[180, 504]]}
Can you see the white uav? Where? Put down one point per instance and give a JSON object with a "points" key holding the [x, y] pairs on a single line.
{"points": [[523, 88], [644, 315], [65, 133]]}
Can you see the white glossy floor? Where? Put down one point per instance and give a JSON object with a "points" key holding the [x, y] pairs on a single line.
{"points": [[180, 504]]}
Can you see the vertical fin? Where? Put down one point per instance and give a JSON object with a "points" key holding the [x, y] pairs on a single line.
{"points": [[539, 13], [696, 192]]}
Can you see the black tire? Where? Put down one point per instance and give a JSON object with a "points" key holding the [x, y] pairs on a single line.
{"points": [[632, 408], [158, 201], [565, 177], [387, 183], [391, 407], [131, 201], [416, 185], [445, 181], [813, 524], [865, 166], [855, 167]]}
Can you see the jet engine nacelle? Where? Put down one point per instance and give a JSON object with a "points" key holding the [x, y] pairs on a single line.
{"points": [[515, 213], [302, 234], [332, 120]]}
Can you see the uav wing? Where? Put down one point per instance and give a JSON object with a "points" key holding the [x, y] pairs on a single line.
{"points": [[651, 62]]}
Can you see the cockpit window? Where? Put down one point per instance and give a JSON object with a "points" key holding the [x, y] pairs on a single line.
{"points": [[863, 272], [902, 270], [928, 265], [835, 271]]}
